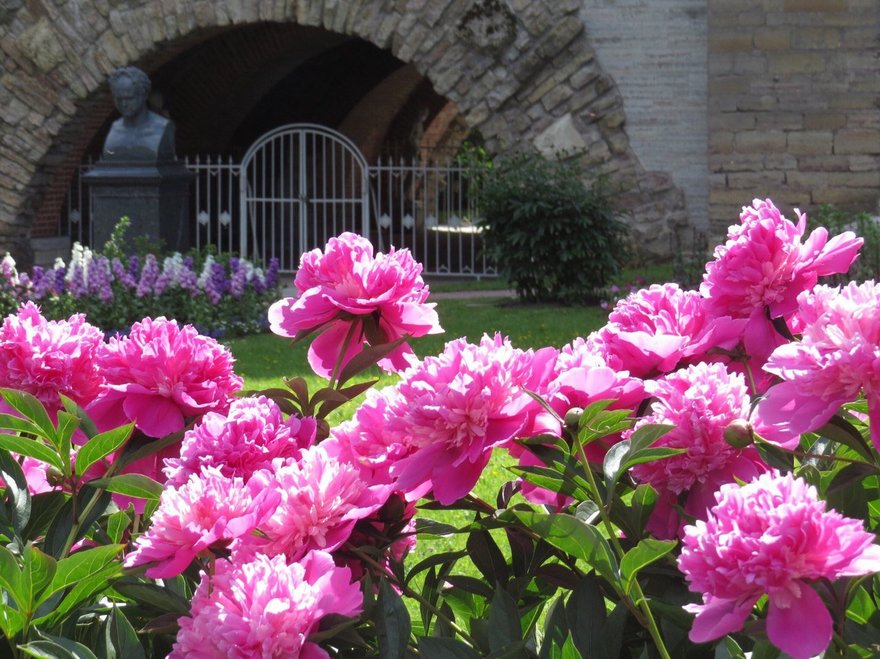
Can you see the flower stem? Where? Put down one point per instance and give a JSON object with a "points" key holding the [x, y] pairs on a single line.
{"points": [[641, 601], [409, 592], [337, 368]]}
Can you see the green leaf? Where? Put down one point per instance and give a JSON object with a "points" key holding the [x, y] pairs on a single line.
{"points": [[44, 507], [433, 561], [80, 566], [649, 455], [145, 447], [101, 446], [555, 628], [643, 554], [82, 592], [62, 525], [367, 357], [16, 501], [149, 594], [30, 408], [728, 648], [16, 423], [131, 485], [622, 457], [843, 432], [85, 422], [392, 623], [648, 435], [641, 506], [117, 523], [38, 570], [67, 425], [574, 537], [487, 557], [33, 448], [120, 638], [11, 579], [505, 628], [612, 464], [445, 648], [585, 613], [602, 424], [56, 647]]}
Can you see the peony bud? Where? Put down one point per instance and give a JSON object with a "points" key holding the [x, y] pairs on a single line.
{"points": [[739, 434], [573, 418]]}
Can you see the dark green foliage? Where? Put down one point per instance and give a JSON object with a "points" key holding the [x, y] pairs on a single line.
{"points": [[552, 237]]}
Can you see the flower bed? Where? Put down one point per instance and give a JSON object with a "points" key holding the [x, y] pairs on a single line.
{"points": [[220, 296], [697, 478]]}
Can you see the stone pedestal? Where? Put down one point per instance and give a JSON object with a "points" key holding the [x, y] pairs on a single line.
{"points": [[154, 197]]}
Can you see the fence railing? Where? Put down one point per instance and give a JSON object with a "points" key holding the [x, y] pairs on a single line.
{"points": [[422, 206]]}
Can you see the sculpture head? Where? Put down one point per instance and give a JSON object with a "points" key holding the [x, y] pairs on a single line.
{"points": [[130, 87]]}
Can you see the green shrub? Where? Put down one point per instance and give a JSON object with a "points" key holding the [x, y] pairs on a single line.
{"points": [[553, 238], [867, 266]]}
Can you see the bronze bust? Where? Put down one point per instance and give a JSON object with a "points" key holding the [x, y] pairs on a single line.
{"points": [[140, 135]]}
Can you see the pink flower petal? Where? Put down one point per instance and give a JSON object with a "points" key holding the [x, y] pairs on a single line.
{"points": [[718, 618], [156, 415], [802, 629]]}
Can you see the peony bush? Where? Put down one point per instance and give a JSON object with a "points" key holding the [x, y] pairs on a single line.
{"points": [[700, 477]]}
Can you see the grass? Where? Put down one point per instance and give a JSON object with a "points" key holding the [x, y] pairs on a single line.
{"points": [[263, 360]]}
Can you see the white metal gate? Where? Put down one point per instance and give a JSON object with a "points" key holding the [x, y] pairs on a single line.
{"points": [[300, 185]]}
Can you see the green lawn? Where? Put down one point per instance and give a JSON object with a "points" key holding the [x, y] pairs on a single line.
{"points": [[264, 359]]}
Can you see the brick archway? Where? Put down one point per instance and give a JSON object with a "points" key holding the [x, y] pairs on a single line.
{"points": [[523, 73]]}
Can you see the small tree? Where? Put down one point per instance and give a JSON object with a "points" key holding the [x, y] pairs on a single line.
{"points": [[552, 237]]}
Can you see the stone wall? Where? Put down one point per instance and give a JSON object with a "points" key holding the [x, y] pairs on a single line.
{"points": [[656, 53], [794, 104], [514, 68]]}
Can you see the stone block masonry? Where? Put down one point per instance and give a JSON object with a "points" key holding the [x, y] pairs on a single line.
{"points": [[794, 105]]}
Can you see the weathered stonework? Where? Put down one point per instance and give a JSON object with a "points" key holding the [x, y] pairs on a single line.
{"points": [[511, 74], [794, 105]]}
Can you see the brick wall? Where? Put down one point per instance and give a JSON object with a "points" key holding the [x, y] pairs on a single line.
{"points": [[794, 105], [656, 53]]}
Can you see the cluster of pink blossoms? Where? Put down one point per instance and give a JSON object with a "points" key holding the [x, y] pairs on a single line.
{"points": [[48, 358], [266, 607], [701, 402], [281, 519], [837, 357], [774, 537], [352, 296], [759, 272], [160, 376]]}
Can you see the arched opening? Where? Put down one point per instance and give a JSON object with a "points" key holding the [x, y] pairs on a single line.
{"points": [[523, 74], [233, 86]]}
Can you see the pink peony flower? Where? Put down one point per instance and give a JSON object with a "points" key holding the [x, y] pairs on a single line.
{"points": [[580, 376], [772, 536], [266, 608], [459, 406], [160, 375], [322, 498], [244, 440], [383, 295], [762, 268], [388, 535], [655, 329], [209, 511], [701, 401], [365, 440], [47, 358], [837, 357]]}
